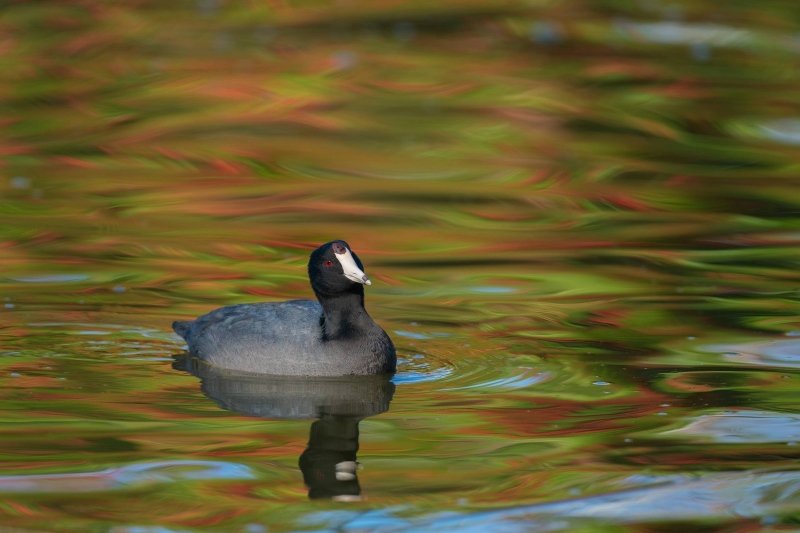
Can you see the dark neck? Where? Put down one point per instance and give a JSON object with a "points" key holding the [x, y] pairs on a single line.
{"points": [[344, 315]]}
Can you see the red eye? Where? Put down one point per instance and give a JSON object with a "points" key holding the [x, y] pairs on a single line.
{"points": [[328, 263]]}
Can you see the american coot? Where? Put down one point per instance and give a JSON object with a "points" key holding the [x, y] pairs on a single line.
{"points": [[332, 337]]}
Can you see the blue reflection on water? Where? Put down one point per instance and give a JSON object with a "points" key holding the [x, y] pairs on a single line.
{"points": [[125, 476]]}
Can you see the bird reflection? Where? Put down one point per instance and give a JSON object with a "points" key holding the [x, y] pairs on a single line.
{"points": [[339, 404], [329, 462]]}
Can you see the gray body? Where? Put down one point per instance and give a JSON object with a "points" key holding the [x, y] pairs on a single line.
{"points": [[290, 339]]}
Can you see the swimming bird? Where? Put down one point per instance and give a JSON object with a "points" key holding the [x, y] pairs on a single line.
{"points": [[333, 336]]}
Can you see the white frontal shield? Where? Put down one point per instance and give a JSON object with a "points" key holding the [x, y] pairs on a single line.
{"points": [[351, 270]]}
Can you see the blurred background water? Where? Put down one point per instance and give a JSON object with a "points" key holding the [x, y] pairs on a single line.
{"points": [[581, 220]]}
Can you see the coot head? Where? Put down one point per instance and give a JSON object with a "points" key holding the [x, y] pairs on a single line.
{"points": [[335, 269]]}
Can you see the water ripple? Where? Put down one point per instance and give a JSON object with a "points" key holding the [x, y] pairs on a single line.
{"points": [[744, 426], [419, 368], [674, 498], [125, 477], [784, 352], [525, 377]]}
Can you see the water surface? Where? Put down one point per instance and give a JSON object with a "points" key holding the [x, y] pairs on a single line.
{"points": [[580, 219]]}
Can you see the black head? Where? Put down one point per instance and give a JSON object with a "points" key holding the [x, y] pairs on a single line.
{"points": [[335, 269]]}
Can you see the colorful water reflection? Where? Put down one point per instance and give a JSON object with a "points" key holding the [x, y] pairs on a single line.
{"points": [[580, 220]]}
